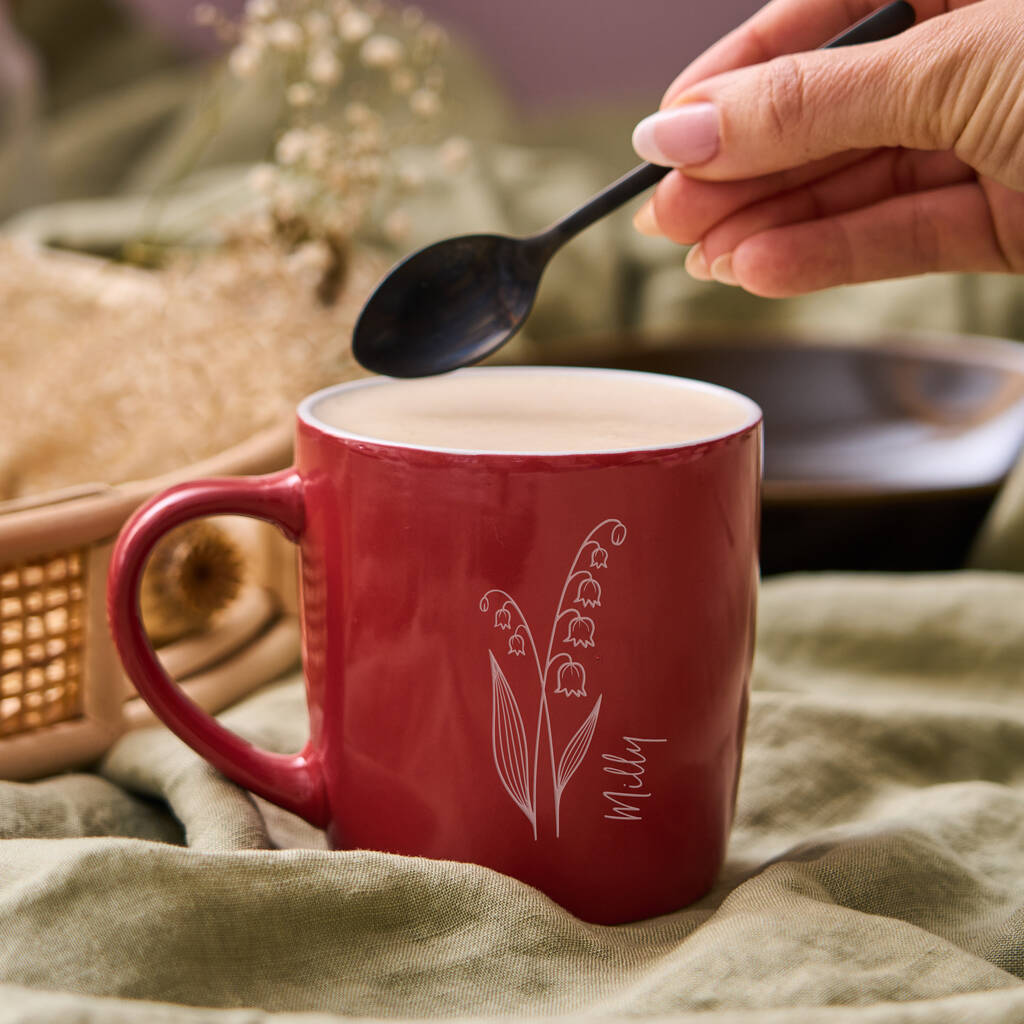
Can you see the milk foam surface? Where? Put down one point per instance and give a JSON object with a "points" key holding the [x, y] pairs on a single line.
{"points": [[535, 410]]}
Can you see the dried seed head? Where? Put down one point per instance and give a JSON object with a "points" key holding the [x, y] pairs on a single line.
{"points": [[244, 60], [354, 26], [317, 160], [285, 35], [382, 52], [310, 257], [261, 10], [425, 103], [319, 147], [255, 36], [262, 179], [292, 146], [323, 67], [300, 94], [286, 202]]}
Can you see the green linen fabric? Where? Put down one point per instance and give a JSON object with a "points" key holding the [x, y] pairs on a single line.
{"points": [[875, 873]]}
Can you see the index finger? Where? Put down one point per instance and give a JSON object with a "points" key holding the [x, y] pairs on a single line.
{"points": [[787, 26]]}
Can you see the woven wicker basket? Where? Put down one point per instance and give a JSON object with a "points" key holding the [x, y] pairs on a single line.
{"points": [[63, 696]]}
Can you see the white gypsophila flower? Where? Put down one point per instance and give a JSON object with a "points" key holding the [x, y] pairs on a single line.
{"points": [[425, 103], [262, 227], [382, 52], [354, 26], [323, 67], [300, 94], [292, 146], [261, 10], [285, 35], [319, 151], [244, 60], [317, 24], [262, 179], [254, 34], [455, 154]]}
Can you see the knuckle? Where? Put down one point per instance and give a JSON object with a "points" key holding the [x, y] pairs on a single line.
{"points": [[944, 79]]}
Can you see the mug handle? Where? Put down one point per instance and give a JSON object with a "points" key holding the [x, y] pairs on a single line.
{"points": [[292, 781]]}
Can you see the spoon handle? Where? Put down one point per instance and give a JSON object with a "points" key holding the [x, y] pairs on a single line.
{"points": [[881, 24]]}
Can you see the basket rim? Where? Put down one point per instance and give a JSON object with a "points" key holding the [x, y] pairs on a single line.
{"points": [[74, 517]]}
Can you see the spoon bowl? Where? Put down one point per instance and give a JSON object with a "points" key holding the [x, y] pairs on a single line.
{"points": [[449, 305]]}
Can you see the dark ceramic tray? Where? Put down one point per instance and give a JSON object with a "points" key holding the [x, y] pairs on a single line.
{"points": [[880, 453]]}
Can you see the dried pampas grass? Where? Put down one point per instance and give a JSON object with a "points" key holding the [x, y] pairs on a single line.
{"points": [[113, 373]]}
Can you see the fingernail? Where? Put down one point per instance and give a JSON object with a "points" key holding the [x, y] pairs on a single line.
{"points": [[696, 264], [721, 269], [678, 137], [645, 222]]}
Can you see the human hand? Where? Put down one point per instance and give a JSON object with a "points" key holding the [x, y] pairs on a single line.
{"points": [[828, 167]]}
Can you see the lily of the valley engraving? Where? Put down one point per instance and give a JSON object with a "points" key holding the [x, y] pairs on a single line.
{"points": [[572, 633]]}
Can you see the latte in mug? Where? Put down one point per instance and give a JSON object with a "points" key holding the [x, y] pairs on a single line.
{"points": [[536, 409]]}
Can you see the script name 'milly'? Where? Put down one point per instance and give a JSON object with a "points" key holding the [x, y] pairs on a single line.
{"points": [[631, 769]]}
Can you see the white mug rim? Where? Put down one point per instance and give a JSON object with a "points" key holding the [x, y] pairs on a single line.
{"points": [[307, 413]]}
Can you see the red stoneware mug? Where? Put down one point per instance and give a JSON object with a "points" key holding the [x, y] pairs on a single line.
{"points": [[527, 616]]}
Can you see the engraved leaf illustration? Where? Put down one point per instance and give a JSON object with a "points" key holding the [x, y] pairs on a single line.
{"points": [[508, 739], [576, 749]]}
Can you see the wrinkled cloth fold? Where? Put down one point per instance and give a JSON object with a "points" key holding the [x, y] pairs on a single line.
{"points": [[875, 872]]}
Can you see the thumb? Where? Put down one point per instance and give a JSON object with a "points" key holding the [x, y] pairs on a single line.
{"points": [[920, 90]]}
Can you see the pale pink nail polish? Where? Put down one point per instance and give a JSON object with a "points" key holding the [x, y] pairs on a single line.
{"points": [[678, 137]]}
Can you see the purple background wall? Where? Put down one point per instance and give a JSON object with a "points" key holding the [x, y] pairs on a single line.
{"points": [[565, 50], [558, 51]]}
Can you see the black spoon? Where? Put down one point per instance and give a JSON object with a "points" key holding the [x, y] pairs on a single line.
{"points": [[456, 301]]}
